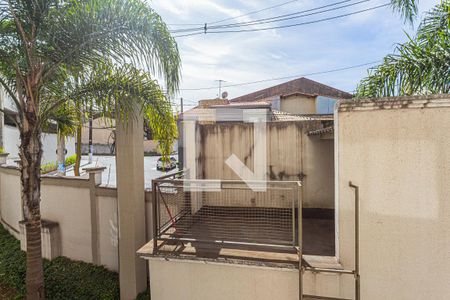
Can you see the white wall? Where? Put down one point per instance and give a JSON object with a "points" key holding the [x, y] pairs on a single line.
{"points": [[11, 141]]}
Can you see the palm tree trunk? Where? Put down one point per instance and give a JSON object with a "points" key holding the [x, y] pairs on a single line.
{"points": [[30, 176], [78, 152], [61, 155], [76, 168]]}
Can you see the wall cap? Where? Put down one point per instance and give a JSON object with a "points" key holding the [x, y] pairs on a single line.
{"points": [[403, 102]]}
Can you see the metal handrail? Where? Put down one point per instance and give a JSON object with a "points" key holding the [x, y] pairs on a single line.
{"points": [[165, 182]]}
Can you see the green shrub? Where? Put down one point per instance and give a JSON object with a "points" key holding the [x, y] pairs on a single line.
{"points": [[51, 166], [48, 167], [2, 150], [64, 278], [70, 160], [144, 295]]}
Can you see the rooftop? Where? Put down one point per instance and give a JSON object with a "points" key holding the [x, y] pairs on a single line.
{"points": [[301, 85]]}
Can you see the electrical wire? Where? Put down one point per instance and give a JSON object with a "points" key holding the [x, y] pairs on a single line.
{"points": [[288, 25], [285, 77], [273, 19]]}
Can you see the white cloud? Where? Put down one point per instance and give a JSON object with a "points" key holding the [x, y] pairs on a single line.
{"points": [[243, 57]]}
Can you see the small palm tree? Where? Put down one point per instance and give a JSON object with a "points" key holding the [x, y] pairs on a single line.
{"points": [[419, 66], [40, 42]]}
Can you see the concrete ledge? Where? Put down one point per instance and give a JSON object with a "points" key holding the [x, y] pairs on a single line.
{"points": [[104, 191], [65, 181], [7, 169], [425, 101]]}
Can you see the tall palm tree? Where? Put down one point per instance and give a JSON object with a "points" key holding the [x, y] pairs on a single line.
{"points": [[419, 66], [40, 40]]}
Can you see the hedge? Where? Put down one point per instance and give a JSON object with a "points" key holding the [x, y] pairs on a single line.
{"points": [[64, 278]]}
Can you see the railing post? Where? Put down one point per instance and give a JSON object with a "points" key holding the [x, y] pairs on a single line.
{"points": [[155, 215], [300, 242]]}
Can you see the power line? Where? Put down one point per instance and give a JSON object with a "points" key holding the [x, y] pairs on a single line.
{"points": [[296, 15], [288, 25], [285, 77], [274, 19]]}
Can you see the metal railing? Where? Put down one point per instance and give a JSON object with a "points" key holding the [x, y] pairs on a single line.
{"points": [[229, 212], [226, 212]]}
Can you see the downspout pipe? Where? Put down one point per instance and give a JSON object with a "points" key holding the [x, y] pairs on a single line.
{"points": [[357, 276]]}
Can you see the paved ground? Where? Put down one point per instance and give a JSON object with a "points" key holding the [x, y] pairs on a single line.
{"points": [[109, 175]]}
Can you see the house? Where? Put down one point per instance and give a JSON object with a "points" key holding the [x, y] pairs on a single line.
{"points": [[103, 137], [298, 96]]}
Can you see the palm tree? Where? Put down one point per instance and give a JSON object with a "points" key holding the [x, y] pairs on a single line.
{"points": [[40, 40], [65, 119], [419, 66]]}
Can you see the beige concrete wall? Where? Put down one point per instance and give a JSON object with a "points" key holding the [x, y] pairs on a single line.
{"points": [[298, 105], [397, 152], [291, 156], [197, 280], [108, 232], [10, 201], [67, 202], [318, 167], [70, 207]]}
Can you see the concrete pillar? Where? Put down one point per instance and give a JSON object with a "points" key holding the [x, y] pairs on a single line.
{"points": [[131, 204], [95, 179]]}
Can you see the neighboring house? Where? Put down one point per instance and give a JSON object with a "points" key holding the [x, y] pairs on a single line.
{"points": [[10, 137], [298, 96], [103, 137]]}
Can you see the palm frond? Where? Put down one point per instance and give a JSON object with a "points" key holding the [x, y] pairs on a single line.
{"points": [[406, 8], [126, 31], [419, 66]]}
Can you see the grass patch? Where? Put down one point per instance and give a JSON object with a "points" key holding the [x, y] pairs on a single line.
{"points": [[64, 278]]}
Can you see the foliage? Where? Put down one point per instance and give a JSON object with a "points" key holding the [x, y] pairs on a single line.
{"points": [[51, 166], [2, 150], [43, 43], [123, 87], [48, 167], [420, 66], [64, 278], [70, 160], [144, 295], [164, 134], [406, 8]]}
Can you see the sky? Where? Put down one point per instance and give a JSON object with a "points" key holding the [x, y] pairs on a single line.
{"points": [[251, 56]]}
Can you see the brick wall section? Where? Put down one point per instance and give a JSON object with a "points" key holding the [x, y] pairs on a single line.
{"points": [[302, 85]]}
